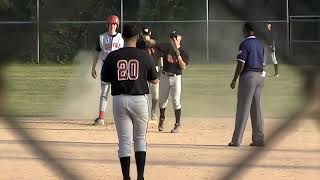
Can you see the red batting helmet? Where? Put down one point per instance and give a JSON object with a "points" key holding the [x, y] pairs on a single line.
{"points": [[113, 19]]}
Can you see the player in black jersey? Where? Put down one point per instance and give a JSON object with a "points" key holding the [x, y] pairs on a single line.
{"points": [[143, 43], [129, 70], [175, 60]]}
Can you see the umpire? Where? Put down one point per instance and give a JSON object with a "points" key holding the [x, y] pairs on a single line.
{"points": [[251, 82]]}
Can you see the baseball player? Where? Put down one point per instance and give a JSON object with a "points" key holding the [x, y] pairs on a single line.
{"points": [[175, 60], [129, 70], [251, 82], [270, 51], [109, 41], [143, 43]]}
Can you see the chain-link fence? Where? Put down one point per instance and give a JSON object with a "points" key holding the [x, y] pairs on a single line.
{"points": [[222, 35], [211, 31]]}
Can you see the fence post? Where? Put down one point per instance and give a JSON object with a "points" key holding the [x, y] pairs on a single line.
{"points": [[207, 37], [38, 33]]}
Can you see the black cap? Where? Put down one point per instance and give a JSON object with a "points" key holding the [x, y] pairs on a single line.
{"points": [[130, 30], [174, 34], [146, 31]]}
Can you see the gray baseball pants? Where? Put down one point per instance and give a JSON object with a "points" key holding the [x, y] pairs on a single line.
{"points": [[249, 93], [131, 114]]}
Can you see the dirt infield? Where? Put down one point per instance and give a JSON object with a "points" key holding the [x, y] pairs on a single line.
{"points": [[199, 152]]}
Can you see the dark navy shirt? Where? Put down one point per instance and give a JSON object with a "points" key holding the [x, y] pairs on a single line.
{"points": [[251, 54]]}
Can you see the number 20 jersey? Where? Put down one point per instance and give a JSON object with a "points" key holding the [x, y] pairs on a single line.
{"points": [[128, 70]]}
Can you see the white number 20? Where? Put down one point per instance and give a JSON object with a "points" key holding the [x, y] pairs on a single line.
{"points": [[128, 70]]}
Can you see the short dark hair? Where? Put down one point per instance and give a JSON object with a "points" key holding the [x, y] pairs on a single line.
{"points": [[129, 31], [247, 27]]}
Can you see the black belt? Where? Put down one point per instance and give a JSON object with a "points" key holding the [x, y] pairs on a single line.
{"points": [[169, 74]]}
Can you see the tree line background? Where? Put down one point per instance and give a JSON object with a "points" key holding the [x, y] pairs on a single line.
{"points": [[61, 42]]}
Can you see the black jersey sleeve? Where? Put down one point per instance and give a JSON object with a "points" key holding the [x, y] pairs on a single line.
{"points": [[185, 56], [106, 70], [141, 44], [163, 47], [98, 48], [151, 69]]}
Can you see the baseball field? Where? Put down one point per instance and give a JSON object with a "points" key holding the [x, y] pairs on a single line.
{"points": [[57, 103]]}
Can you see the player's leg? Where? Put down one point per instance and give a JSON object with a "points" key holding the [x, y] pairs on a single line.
{"points": [[164, 90], [105, 89], [256, 114], [275, 62], [154, 91], [124, 129], [175, 95], [265, 60], [138, 108], [246, 90]]}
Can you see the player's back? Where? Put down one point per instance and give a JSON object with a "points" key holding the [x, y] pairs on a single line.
{"points": [[128, 70]]}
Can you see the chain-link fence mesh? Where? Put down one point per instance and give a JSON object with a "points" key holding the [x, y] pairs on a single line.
{"points": [[224, 35]]}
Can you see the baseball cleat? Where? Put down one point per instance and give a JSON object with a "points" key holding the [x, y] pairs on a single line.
{"points": [[98, 122], [276, 75], [176, 129], [160, 126], [233, 144], [263, 73], [260, 144]]}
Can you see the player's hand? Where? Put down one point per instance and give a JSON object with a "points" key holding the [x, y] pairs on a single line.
{"points": [[94, 73], [151, 43], [174, 44], [233, 84]]}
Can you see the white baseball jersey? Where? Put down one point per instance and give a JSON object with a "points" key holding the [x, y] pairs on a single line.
{"points": [[108, 43]]}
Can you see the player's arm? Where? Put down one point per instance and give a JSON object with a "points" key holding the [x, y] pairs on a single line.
{"points": [[151, 70], [182, 59], [241, 59], [95, 60]]}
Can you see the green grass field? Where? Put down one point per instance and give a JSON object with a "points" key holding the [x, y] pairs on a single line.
{"points": [[34, 90]]}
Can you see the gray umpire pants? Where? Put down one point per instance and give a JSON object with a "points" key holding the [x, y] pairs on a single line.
{"points": [[249, 93]]}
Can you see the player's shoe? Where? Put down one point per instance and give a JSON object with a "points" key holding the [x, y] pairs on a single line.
{"points": [[176, 129], [98, 122], [160, 126], [154, 116], [276, 75], [258, 144], [263, 73], [233, 144]]}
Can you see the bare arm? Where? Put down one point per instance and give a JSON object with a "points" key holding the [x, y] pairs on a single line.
{"points": [[237, 73], [182, 64], [94, 64]]}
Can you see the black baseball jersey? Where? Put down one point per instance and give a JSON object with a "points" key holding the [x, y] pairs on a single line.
{"points": [[170, 59], [141, 44], [128, 70], [270, 37], [153, 52]]}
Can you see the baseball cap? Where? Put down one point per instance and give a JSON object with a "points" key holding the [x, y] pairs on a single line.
{"points": [[129, 30], [146, 31], [174, 34]]}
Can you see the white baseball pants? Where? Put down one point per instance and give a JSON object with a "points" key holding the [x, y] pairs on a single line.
{"points": [[170, 84], [105, 90], [131, 114], [268, 53]]}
